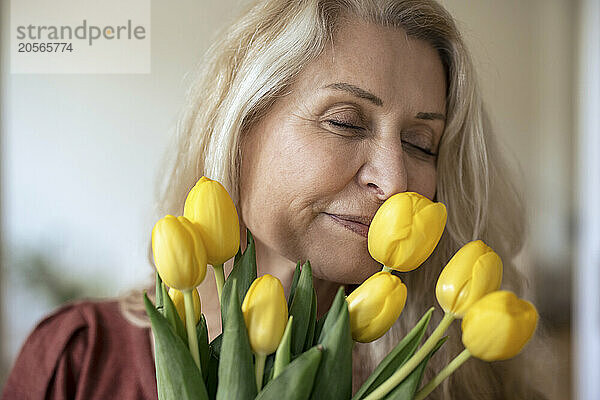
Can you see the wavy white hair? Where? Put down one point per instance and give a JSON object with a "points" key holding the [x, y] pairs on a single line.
{"points": [[256, 59]]}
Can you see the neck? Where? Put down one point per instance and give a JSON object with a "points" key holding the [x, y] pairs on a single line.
{"points": [[270, 262]]}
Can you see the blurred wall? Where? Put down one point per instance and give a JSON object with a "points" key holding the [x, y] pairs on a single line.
{"points": [[525, 54], [79, 157], [80, 152]]}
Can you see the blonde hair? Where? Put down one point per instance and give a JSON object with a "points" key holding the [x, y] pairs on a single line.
{"points": [[255, 61]]}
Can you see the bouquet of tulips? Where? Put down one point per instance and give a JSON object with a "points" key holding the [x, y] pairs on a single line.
{"points": [[275, 348]]}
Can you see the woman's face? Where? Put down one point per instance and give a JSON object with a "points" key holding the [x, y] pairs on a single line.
{"points": [[361, 123]]}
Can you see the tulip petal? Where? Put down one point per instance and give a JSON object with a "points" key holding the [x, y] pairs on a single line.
{"points": [[265, 314], [498, 326], [455, 279], [178, 253], [209, 206], [375, 305], [486, 278], [405, 230], [430, 221]]}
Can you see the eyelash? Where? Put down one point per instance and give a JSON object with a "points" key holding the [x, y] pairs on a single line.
{"points": [[343, 125]]}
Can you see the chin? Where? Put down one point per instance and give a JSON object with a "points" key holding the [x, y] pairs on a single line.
{"points": [[338, 255], [344, 273]]}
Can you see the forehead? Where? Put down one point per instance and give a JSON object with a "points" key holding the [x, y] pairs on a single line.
{"points": [[401, 70]]}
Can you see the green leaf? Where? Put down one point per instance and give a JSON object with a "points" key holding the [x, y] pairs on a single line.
{"points": [[312, 322], [296, 381], [177, 375], [268, 371], [236, 367], [213, 366], [244, 273], [202, 334], [398, 356], [238, 255], [213, 375], [319, 327], [215, 346], [294, 284], [171, 314], [408, 387], [158, 294], [283, 354], [334, 376], [330, 318], [301, 309]]}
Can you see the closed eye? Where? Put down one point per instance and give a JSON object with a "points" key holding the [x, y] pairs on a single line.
{"points": [[342, 124], [426, 151]]}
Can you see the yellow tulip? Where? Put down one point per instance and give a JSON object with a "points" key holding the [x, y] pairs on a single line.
{"points": [[179, 253], [177, 298], [474, 271], [498, 326], [209, 206], [375, 305], [265, 314], [405, 230]]}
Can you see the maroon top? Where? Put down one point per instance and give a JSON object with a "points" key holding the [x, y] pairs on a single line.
{"points": [[84, 351]]}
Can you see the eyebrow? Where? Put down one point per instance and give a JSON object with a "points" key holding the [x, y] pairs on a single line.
{"points": [[431, 116], [363, 94], [356, 91]]}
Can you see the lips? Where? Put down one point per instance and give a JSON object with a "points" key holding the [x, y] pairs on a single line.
{"points": [[357, 224]]}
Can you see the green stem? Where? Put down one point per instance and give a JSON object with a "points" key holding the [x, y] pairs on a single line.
{"points": [[387, 269], [413, 362], [219, 278], [190, 325], [444, 373], [259, 368]]}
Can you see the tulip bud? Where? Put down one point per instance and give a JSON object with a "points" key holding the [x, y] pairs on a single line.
{"points": [[209, 206], [474, 271], [405, 230], [265, 313], [177, 298], [179, 253], [375, 305], [498, 326]]}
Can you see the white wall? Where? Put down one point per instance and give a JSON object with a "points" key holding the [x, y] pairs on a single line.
{"points": [[79, 156]]}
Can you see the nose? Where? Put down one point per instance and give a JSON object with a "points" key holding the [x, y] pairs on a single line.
{"points": [[384, 171]]}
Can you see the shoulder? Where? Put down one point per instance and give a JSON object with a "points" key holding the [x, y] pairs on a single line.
{"points": [[85, 341], [72, 324]]}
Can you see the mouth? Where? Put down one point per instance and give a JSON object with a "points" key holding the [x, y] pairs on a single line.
{"points": [[356, 224]]}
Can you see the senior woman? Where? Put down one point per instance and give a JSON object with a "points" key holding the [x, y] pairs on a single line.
{"points": [[312, 113]]}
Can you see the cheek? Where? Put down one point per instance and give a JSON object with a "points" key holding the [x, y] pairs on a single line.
{"points": [[422, 178], [288, 177], [299, 167]]}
